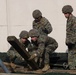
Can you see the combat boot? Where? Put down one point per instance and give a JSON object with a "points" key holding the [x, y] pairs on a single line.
{"points": [[46, 67]]}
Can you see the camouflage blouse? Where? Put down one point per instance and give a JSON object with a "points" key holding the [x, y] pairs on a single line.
{"points": [[71, 30], [43, 26]]}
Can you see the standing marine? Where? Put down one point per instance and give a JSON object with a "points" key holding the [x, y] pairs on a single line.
{"points": [[70, 35], [41, 46], [41, 23]]}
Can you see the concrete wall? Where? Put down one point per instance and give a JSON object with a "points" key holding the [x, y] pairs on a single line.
{"points": [[16, 15]]}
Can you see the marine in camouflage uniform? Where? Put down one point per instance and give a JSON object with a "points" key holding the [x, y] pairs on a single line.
{"points": [[13, 55], [41, 23], [70, 35], [41, 46]]}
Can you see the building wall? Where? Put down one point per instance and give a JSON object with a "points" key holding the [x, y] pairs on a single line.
{"points": [[16, 15]]}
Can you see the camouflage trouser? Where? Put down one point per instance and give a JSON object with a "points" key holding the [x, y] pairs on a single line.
{"points": [[72, 58], [14, 56], [49, 49]]}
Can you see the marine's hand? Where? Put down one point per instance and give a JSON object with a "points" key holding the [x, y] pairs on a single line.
{"points": [[33, 56]]}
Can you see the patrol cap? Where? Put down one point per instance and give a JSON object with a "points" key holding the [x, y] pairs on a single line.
{"points": [[24, 34], [33, 33], [67, 9], [36, 14]]}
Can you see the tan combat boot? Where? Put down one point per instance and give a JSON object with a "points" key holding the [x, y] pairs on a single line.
{"points": [[46, 67]]}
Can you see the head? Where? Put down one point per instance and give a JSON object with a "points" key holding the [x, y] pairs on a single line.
{"points": [[67, 10], [34, 34], [37, 15], [23, 36]]}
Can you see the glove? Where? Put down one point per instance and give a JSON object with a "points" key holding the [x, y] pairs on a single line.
{"points": [[33, 56]]}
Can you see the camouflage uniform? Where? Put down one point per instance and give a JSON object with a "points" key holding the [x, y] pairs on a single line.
{"points": [[71, 41], [14, 56], [71, 37], [43, 46], [43, 25]]}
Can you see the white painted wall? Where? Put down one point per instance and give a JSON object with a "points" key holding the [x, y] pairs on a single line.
{"points": [[16, 15]]}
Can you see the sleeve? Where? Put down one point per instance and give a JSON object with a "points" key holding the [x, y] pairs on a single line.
{"points": [[74, 32], [47, 28], [41, 42], [74, 27], [34, 26], [41, 48]]}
